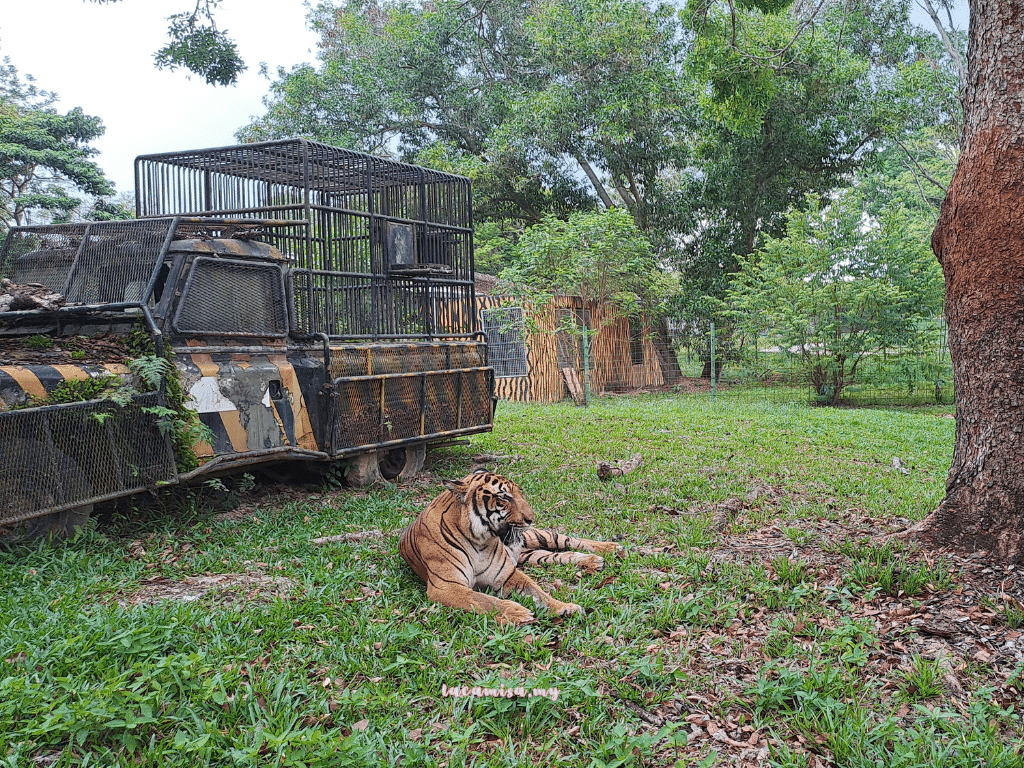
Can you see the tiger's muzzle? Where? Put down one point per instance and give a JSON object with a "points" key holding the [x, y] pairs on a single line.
{"points": [[512, 535]]}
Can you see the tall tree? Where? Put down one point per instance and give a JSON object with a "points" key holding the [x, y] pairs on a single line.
{"points": [[798, 97], [550, 107], [44, 154], [782, 116], [979, 240]]}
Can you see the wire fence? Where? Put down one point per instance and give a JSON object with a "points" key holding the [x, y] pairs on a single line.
{"points": [[892, 377], [578, 352], [899, 376]]}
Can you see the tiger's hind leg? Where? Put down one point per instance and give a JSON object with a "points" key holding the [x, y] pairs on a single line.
{"points": [[542, 547], [538, 538], [589, 563]]}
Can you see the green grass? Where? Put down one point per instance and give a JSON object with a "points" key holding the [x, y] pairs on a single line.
{"points": [[342, 659]]}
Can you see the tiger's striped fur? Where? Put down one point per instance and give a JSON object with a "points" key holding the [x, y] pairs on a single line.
{"points": [[475, 534]]}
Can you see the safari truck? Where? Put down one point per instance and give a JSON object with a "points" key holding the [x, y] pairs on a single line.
{"points": [[271, 302]]}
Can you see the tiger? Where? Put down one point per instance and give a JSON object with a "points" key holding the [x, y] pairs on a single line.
{"points": [[476, 534]]}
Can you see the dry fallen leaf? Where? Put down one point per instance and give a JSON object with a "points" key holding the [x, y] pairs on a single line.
{"points": [[361, 725]]}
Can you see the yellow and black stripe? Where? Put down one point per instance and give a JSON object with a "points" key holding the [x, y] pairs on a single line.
{"points": [[31, 384]]}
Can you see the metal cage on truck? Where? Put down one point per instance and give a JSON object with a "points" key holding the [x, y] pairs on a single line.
{"points": [[318, 304]]}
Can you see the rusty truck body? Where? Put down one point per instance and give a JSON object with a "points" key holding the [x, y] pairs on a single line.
{"points": [[317, 304]]}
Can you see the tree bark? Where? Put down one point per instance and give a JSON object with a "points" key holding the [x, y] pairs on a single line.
{"points": [[979, 240], [705, 372], [666, 353]]}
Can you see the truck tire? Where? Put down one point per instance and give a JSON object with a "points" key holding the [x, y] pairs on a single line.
{"points": [[57, 525], [385, 466], [403, 462], [363, 470]]}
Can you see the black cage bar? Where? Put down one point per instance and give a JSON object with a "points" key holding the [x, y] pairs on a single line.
{"points": [[381, 249]]}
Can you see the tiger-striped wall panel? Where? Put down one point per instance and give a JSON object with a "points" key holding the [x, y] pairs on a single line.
{"points": [[518, 388], [611, 365]]}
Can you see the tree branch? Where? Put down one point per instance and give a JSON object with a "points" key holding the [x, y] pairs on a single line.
{"points": [[919, 167], [947, 42], [596, 182]]}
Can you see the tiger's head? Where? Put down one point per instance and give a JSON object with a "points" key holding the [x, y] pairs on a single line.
{"points": [[495, 507]]}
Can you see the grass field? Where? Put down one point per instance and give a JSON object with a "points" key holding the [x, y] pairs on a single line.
{"points": [[757, 616]]}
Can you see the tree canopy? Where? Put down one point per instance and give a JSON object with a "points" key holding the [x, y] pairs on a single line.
{"points": [[799, 100], [839, 286], [707, 121], [711, 123], [550, 107], [600, 256], [45, 155]]}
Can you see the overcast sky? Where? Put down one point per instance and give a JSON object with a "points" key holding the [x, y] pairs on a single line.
{"points": [[100, 58]]}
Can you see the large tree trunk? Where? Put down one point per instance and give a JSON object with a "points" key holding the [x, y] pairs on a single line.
{"points": [[979, 241]]}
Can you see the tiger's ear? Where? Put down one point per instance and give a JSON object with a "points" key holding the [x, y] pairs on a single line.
{"points": [[457, 487]]}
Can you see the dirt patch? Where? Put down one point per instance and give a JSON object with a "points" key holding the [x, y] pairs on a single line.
{"points": [[228, 587]]}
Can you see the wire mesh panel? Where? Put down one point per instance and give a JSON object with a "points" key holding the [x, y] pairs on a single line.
{"points": [[239, 298], [469, 355], [402, 407], [358, 420], [117, 261], [476, 406], [375, 360], [41, 255], [91, 263], [506, 339], [389, 408], [443, 394], [387, 247], [63, 456]]}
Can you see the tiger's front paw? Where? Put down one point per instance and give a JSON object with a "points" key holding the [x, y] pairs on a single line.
{"points": [[591, 563], [510, 612], [564, 609]]}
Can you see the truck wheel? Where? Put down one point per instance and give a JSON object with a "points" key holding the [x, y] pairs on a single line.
{"points": [[363, 470], [379, 466], [402, 463], [25, 486]]}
